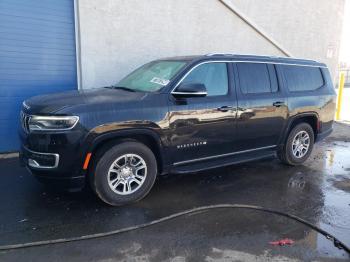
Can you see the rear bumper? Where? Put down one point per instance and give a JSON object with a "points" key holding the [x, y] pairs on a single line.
{"points": [[324, 134]]}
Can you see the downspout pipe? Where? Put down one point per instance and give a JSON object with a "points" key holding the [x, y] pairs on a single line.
{"points": [[255, 27]]}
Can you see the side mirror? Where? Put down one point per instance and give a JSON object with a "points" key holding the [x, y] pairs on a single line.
{"points": [[190, 90]]}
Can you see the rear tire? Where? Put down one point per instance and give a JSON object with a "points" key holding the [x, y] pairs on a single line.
{"points": [[124, 173], [298, 145]]}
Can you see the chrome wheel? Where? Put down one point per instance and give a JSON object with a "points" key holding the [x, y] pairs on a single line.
{"points": [[301, 144], [127, 174]]}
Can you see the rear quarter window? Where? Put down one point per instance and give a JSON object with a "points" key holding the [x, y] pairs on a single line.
{"points": [[303, 78]]}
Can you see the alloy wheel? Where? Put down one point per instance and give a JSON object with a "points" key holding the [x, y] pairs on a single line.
{"points": [[301, 144], [127, 174]]}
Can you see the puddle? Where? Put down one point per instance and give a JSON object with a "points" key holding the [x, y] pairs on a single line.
{"points": [[344, 185], [335, 187]]}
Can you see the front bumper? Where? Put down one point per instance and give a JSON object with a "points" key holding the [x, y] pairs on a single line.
{"points": [[55, 157], [39, 161], [44, 166]]}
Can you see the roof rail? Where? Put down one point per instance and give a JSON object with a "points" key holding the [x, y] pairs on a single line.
{"points": [[214, 54], [261, 56], [242, 55]]}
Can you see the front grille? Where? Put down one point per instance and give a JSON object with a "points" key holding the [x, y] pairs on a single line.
{"points": [[25, 122]]}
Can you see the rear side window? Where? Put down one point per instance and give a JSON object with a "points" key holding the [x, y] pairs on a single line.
{"points": [[257, 78], [303, 78]]}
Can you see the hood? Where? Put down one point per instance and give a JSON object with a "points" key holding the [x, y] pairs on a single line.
{"points": [[46, 104]]}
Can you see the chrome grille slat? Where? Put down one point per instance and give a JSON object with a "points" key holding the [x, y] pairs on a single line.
{"points": [[25, 122]]}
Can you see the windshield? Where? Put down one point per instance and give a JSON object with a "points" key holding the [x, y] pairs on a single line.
{"points": [[152, 76]]}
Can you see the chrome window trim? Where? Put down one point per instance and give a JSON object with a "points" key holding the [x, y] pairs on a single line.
{"points": [[235, 61], [34, 164], [190, 93], [223, 155]]}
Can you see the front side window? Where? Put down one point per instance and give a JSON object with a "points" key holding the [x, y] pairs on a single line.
{"points": [[152, 76], [212, 75]]}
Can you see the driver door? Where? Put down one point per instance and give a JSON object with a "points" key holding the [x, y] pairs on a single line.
{"points": [[203, 128]]}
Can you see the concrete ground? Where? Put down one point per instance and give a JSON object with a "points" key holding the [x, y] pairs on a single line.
{"points": [[318, 192]]}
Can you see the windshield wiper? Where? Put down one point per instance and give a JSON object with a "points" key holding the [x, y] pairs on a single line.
{"points": [[123, 88]]}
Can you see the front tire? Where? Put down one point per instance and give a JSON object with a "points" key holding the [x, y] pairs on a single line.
{"points": [[124, 173], [298, 145]]}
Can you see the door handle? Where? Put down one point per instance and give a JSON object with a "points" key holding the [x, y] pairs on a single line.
{"points": [[225, 108], [278, 104]]}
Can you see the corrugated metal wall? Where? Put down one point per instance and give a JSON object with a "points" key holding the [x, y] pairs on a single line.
{"points": [[37, 56]]}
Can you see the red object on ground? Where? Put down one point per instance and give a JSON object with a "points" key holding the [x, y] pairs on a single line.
{"points": [[282, 242]]}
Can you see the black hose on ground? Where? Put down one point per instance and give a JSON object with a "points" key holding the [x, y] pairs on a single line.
{"points": [[335, 241]]}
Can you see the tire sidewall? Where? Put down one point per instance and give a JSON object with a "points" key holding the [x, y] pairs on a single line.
{"points": [[289, 152], [100, 178]]}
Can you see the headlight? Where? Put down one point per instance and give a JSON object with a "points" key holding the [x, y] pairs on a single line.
{"points": [[52, 123]]}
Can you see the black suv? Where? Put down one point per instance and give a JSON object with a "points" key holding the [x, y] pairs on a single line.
{"points": [[177, 115]]}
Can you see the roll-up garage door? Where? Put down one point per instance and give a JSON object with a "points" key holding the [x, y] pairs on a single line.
{"points": [[37, 56]]}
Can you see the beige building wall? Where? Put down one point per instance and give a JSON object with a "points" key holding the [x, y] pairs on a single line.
{"points": [[118, 35]]}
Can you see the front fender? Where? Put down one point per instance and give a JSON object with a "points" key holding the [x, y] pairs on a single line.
{"points": [[94, 139], [104, 133]]}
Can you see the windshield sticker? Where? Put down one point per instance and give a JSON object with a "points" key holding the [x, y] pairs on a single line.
{"points": [[159, 81]]}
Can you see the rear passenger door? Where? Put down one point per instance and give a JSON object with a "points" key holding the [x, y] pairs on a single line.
{"points": [[262, 106]]}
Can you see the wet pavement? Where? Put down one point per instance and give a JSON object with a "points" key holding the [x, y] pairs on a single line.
{"points": [[318, 192]]}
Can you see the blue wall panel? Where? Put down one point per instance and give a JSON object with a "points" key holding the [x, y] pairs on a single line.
{"points": [[37, 56]]}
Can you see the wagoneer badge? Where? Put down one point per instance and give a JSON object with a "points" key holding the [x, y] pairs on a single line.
{"points": [[192, 145]]}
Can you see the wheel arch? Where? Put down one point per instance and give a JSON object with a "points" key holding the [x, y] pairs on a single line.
{"points": [[312, 118], [145, 136]]}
